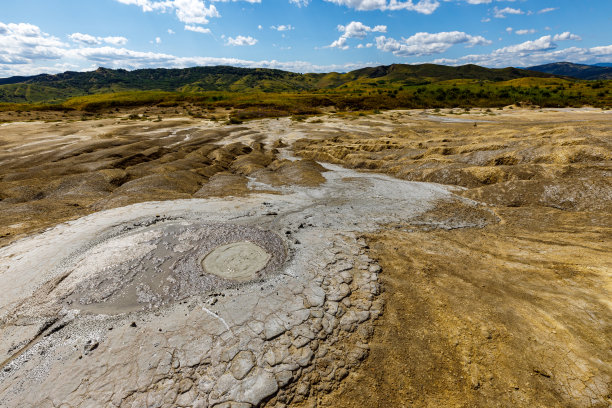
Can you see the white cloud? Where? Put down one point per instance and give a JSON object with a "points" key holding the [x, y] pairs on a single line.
{"points": [[428, 43], [566, 36], [187, 11], [158, 40], [194, 11], [548, 10], [355, 29], [501, 13], [422, 6], [123, 58], [87, 39], [525, 31], [148, 5], [300, 3], [171, 31], [497, 59], [197, 29], [24, 43], [541, 44], [241, 41], [287, 27], [540, 51]]}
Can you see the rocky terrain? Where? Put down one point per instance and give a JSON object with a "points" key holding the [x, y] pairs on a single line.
{"points": [[475, 272]]}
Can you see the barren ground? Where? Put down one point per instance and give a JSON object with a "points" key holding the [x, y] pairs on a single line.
{"points": [[504, 301]]}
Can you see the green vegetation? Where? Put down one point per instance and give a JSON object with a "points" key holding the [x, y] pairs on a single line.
{"points": [[257, 93]]}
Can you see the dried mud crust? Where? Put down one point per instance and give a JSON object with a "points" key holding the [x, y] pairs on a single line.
{"points": [[514, 314], [271, 342]]}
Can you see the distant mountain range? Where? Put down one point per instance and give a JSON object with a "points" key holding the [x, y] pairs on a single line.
{"points": [[50, 88], [591, 72]]}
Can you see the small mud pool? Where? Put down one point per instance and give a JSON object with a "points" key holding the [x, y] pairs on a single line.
{"points": [[239, 261]]}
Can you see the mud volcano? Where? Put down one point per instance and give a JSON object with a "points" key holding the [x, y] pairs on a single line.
{"points": [[167, 262], [267, 300]]}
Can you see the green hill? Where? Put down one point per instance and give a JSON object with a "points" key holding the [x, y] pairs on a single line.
{"points": [[268, 92], [53, 88]]}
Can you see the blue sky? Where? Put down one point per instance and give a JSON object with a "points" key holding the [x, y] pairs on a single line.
{"points": [[52, 36]]}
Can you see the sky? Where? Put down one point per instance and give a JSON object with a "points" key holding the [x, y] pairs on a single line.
{"points": [[51, 36]]}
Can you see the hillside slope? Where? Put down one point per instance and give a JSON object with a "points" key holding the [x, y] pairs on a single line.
{"points": [[580, 71]]}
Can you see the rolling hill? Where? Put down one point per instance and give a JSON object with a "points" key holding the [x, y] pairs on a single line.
{"points": [[60, 87]]}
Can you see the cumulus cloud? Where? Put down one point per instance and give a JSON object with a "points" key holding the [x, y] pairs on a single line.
{"points": [[300, 3], [24, 43], [566, 36], [87, 39], [428, 43], [544, 43], [501, 13], [422, 6], [541, 44], [241, 40], [355, 29], [283, 27], [197, 29]]}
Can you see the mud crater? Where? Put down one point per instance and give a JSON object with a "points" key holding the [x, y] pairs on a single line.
{"points": [[159, 265]]}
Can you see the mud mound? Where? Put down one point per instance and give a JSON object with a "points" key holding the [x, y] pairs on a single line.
{"points": [[285, 172], [222, 185], [75, 175]]}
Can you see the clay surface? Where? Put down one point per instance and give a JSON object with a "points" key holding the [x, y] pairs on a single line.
{"points": [[452, 265]]}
